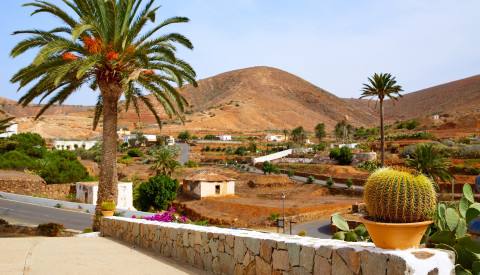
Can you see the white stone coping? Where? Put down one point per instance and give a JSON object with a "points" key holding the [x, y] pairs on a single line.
{"points": [[439, 260]]}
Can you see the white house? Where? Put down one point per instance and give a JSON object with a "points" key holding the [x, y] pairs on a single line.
{"points": [[170, 141], [225, 137], [274, 138], [73, 144], [208, 184], [87, 193], [349, 145], [10, 130], [436, 117], [127, 138], [151, 138]]}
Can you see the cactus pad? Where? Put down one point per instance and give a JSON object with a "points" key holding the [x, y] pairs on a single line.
{"points": [[400, 195]]}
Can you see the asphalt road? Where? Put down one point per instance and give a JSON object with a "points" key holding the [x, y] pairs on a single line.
{"points": [[184, 153], [317, 229], [20, 212]]}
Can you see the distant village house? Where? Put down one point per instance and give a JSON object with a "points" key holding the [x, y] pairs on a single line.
{"points": [[208, 184], [73, 144], [225, 137], [274, 137]]}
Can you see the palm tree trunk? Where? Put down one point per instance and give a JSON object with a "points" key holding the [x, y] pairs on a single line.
{"points": [[382, 136], [108, 184]]}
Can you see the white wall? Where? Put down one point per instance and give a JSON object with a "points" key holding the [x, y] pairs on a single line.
{"points": [[125, 194], [58, 144], [11, 130], [224, 137], [273, 156]]}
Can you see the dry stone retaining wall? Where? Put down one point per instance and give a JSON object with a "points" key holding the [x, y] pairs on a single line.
{"points": [[33, 230], [230, 251]]}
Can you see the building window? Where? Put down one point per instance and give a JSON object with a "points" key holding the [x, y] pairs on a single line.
{"points": [[217, 189]]}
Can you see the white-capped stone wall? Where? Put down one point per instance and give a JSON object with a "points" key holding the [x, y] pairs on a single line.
{"points": [[231, 251]]}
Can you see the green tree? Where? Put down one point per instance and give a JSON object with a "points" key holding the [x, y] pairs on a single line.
{"points": [[105, 44], [298, 135], [268, 167], [431, 162], [241, 150], [155, 193], [210, 137], [140, 139], [382, 86], [285, 133], [164, 163], [184, 135], [338, 129], [320, 131], [252, 147]]}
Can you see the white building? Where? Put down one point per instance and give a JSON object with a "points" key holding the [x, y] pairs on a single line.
{"points": [[350, 145], [170, 141], [208, 184], [151, 138], [274, 138], [10, 130], [87, 193], [73, 144], [225, 137], [436, 117], [127, 138]]}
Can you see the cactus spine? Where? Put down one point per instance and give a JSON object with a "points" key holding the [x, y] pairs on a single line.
{"points": [[399, 195]]}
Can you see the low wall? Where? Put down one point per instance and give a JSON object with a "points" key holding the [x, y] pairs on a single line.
{"points": [[33, 231], [230, 251], [21, 183]]}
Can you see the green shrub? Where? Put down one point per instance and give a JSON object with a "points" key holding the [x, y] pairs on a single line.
{"points": [[343, 155], [135, 152], [184, 135], [469, 152], [274, 216], [302, 233], [15, 160], [369, 165], [191, 164], [210, 137], [330, 182], [4, 222], [334, 153], [349, 182], [87, 230], [310, 179], [108, 205], [155, 193], [268, 167], [31, 144], [290, 174], [59, 168], [241, 151]]}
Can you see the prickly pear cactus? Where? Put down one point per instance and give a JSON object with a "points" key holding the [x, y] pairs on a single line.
{"points": [[400, 195]]}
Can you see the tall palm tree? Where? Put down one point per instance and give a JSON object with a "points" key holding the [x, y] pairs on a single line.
{"points": [[431, 162], [105, 44], [382, 86]]}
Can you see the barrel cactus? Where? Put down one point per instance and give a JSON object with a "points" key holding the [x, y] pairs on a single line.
{"points": [[399, 195]]}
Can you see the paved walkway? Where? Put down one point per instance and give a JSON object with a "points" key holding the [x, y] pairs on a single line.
{"points": [[43, 255]]}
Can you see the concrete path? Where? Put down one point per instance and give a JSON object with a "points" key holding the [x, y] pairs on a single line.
{"points": [[43, 255]]}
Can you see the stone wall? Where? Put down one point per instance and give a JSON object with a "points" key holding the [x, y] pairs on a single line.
{"points": [[32, 230], [21, 183], [357, 158], [230, 251]]}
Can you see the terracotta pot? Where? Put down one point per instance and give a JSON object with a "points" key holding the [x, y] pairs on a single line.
{"points": [[396, 235], [107, 213]]}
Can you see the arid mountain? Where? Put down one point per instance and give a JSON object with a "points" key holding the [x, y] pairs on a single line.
{"points": [[16, 110], [260, 98], [454, 99]]}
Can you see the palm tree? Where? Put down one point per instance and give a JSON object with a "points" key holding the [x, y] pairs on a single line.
{"points": [[382, 86], [431, 162], [105, 44], [165, 164], [285, 133]]}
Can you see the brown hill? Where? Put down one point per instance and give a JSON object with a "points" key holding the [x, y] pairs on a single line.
{"points": [[259, 98], [16, 110], [454, 99]]}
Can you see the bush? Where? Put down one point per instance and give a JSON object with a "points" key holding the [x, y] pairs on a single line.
{"points": [[290, 174], [274, 216], [50, 229], [349, 182], [31, 144], [210, 137], [58, 169], [469, 152], [4, 222], [156, 193], [268, 167], [241, 151], [15, 160], [302, 233], [343, 155], [87, 230], [330, 182], [184, 135], [369, 165], [135, 153], [310, 179], [191, 164]]}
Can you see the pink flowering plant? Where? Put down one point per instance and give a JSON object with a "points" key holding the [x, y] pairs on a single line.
{"points": [[166, 216]]}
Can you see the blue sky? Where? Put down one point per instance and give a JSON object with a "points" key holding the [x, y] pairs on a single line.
{"points": [[333, 44]]}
